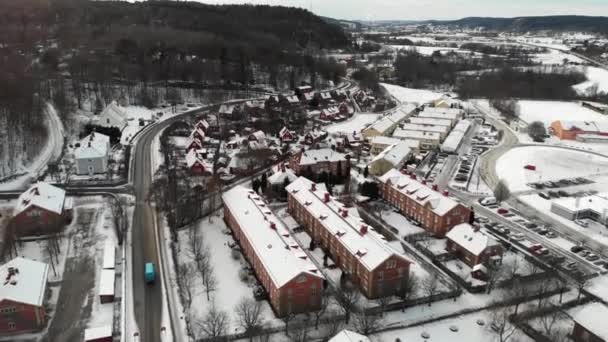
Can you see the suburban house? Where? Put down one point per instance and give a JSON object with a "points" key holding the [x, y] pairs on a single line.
{"points": [[353, 140], [363, 255], [343, 108], [112, 116], [318, 161], [22, 294], [203, 125], [570, 130], [331, 113], [198, 133], [593, 207], [434, 210], [428, 140], [293, 283], [324, 98], [393, 157], [472, 245], [387, 124], [196, 164], [289, 102], [304, 89], [194, 144], [254, 108], [91, 156], [258, 136], [590, 323], [287, 136], [446, 102], [314, 136], [349, 336], [282, 175], [229, 110], [41, 209]]}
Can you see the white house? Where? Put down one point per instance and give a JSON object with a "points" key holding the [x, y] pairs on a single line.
{"points": [[91, 156], [112, 116]]}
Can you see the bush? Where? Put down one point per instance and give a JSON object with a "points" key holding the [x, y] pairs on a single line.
{"points": [[236, 255]]}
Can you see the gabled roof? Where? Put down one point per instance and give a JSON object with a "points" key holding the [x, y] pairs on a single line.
{"points": [[395, 154], [418, 135], [426, 128], [474, 241], [419, 192], [94, 145], [23, 281], [370, 247], [312, 157], [42, 195], [259, 135], [593, 318], [349, 336], [280, 174], [203, 123], [200, 132], [114, 113], [280, 254], [192, 158], [285, 131]]}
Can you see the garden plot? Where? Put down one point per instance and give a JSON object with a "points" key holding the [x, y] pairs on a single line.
{"points": [[549, 111], [232, 284], [418, 96], [551, 164], [355, 124], [400, 223]]}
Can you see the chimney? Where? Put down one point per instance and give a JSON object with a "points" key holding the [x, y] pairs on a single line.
{"points": [[445, 193], [313, 187], [363, 230], [344, 212], [273, 226], [435, 187], [424, 182], [327, 197]]}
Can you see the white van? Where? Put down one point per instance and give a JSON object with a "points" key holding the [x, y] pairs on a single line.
{"points": [[488, 201]]}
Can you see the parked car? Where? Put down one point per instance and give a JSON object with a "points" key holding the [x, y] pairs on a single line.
{"points": [[551, 235], [544, 195], [576, 249], [563, 193], [582, 223], [541, 252], [487, 201], [530, 225], [592, 257], [535, 247], [502, 211], [517, 236]]}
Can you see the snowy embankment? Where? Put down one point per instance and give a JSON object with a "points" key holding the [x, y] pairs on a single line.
{"points": [[50, 152], [355, 124], [550, 111], [597, 80], [411, 95]]}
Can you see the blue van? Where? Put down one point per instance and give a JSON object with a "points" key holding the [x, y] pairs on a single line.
{"points": [[150, 274]]}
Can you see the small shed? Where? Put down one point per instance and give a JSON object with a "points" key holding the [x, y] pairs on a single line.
{"points": [[109, 255], [106, 286], [98, 334]]}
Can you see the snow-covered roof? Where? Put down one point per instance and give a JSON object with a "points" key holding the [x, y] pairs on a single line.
{"points": [[369, 246], [383, 125], [24, 281], [226, 109], [203, 123], [114, 114], [593, 318], [474, 241], [417, 135], [587, 126], [109, 255], [285, 131], [192, 158], [419, 192], [440, 110], [42, 195], [200, 132], [325, 95], [94, 145], [425, 128], [349, 336], [280, 173], [280, 254], [292, 99], [312, 157], [431, 121], [383, 140], [106, 283], [395, 154], [92, 334], [434, 113], [455, 137], [597, 203], [332, 110], [258, 135]]}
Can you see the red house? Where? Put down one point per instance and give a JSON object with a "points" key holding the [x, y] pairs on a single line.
{"points": [[22, 296], [472, 245], [314, 137], [258, 136], [195, 144], [286, 135], [330, 114], [203, 125], [42, 209], [293, 283], [196, 164], [254, 108], [198, 133]]}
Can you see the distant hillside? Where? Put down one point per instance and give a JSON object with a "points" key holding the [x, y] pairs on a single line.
{"points": [[522, 24]]}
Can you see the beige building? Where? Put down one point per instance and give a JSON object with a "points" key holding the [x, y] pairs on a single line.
{"points": [[442, 130], [428, 140], [387, 124], [393, 157]]}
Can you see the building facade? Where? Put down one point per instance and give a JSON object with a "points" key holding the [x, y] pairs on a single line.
{"points": [[472, 245], [319, 161], [435, 211], [361, 253], [42, 209]]}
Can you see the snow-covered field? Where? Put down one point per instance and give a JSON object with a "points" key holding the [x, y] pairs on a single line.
{"points": [[424, 50], [554, 57], [551, 164], [400, 223], [596, 77], [134, 115], [355, 124], [549, 111], [418, 96]]}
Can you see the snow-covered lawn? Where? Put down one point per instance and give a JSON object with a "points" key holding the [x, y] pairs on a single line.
{"points": [[554, 57], [595, 77], [355, 124], [551, 164], [423, 50], [549, 111], [418, 96], [400, 223]]}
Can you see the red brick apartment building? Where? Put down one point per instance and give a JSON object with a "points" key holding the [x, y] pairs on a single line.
{"points": [[318, 161], [362, 253], [41, 209], [472, 245], [590, 323], [292, 281], [435, 211], [22, 294]]}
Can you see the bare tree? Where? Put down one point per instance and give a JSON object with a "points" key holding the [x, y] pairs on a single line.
{"points": [[325, 300], [366, 323], [50, 252], [409, 287], [286, 319], [430, 286], [209, 281], [494, 272], [501, 191], [517, 292], [349, 301], [249, 313], [333, 326], [548, 321], [215, 322], [185, 280], [300, 334], [118, 217], [581, 283], [501, 324], [511, 268], [383, 302]]}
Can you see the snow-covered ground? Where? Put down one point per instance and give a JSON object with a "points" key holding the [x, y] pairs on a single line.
{"points": [[418, 96], [551, 164], [424, 50], [355, 124], [134, 115], [549, 111], [400, 223], [554, 57], [596, 77]]}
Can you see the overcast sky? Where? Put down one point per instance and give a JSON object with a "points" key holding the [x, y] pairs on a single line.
{"points": [[436, 9]]}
